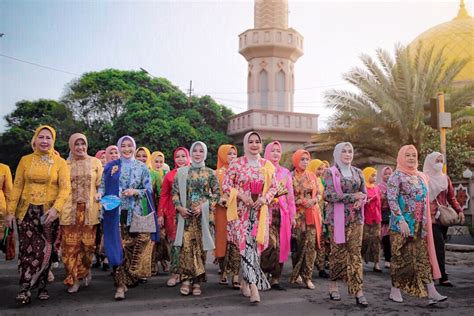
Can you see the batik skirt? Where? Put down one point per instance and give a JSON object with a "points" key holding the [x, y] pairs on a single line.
{"points": [[371, 243], [305, 255], [270, 261]]}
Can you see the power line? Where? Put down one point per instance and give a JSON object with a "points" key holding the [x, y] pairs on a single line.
{"points": [[39, 65]]}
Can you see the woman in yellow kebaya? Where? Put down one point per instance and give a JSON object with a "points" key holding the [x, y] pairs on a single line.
{"points": [[42, 185]]}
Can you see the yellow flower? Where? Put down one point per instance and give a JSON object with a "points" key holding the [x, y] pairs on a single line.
{"points": [[114, 170]]}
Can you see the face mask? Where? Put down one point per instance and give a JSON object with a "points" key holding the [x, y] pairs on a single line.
{"points": [[438, 166]]}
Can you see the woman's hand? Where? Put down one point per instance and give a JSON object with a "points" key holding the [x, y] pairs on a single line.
{"points": [[9, 220], [359, 196], [161, 221], [183, 211], [259, 202], [197, 210], [98, 197], [51, 215], [245, 198], [404, 229], [130, 192], [461, 218], [357, 204]]}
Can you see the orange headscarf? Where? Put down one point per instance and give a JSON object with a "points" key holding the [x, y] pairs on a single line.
{"points": [[401, 161], [297, 157], [222, 155]]}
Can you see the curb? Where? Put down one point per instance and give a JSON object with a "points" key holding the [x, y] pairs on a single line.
{"points": [[460, 248]]}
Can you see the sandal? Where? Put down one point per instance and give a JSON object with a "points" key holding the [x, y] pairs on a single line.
{"points": [[310, 285], [185, 288], [235, 283], [334, 296], [43, 295], [24, 297], [120, 293], [173, 281], [197, 289], [446, 283], [362, 301], [223, 281]]}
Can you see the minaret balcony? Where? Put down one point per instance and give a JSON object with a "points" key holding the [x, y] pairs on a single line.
{"points": [[266, 42]]}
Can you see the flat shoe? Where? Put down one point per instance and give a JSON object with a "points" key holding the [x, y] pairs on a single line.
{"points": [[434, 301], [310, 285], [362, 301], [334, 296], [120, 294], [172, 282], [74, 288], [278, 287], [185, 288], [223, 281], [446, 283], [197, 290], [377, 270], [395, 300]]}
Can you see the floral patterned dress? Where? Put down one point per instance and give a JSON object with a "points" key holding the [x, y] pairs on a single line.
{"points": [[345, 260], [201, 186], [242, 231], [410, 266]]}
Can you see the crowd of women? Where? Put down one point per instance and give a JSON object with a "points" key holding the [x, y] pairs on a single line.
{"points": [[128, 210]]}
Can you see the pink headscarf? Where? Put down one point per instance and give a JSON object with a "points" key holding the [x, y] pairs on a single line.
{"points": [[186, 152], [108, 150], [401, 161], [268, 152], [99, 154]]}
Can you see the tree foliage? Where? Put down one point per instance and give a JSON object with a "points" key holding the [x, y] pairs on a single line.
{"points": [[111, 103], [385, 109]]}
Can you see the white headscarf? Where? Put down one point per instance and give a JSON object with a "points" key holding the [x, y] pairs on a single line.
{"points": [[438, 181], [252, 159], [194, 163], [345, 169], [119, 145]]}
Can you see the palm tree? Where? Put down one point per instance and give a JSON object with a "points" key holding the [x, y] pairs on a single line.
{"points": [[386, 110]]}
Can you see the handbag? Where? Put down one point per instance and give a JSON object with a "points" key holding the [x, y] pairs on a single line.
{"points": [[7, 244], [143, 224], [447, 215]]}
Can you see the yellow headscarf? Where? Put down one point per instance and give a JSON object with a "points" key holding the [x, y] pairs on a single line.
{"points": [[37, 131], [148, 155], [153, 157], [368, 172], [314, 165]]}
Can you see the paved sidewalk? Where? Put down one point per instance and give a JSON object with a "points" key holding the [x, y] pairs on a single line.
{"points": [[155, 298]]}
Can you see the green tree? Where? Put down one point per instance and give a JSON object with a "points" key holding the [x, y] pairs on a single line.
{"points": [[27, 116], [385, 109]]}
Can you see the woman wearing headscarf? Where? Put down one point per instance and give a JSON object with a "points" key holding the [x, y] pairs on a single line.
{"points": [[307, 224], [226, 254], [6, 185], [414, 265], [81, 216], [282, 213], [130, 252], [167, 211], [372, 220], [317, 167], [345, 193], [385, 227], [40, 190], [251, 186], [101, 156], [112, 153], [441, 192], [161, 253], [195, 193]]}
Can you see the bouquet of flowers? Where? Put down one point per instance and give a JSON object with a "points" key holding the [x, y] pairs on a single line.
{"points": [[256, 188]]}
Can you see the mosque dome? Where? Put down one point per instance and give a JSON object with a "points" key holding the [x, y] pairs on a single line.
{"points": [[457, 38]]}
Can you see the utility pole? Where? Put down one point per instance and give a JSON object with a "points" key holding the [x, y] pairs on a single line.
{"points": [[444, 120], [190, 92]]}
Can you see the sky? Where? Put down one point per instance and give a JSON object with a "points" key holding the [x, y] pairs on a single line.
{"points": [[195, 40]]}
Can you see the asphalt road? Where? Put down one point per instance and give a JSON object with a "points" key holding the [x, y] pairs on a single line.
{"points": [[154, 298]]}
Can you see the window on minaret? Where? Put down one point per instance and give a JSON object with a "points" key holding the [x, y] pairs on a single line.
{"points": [[263, 88], [280, 90]]}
